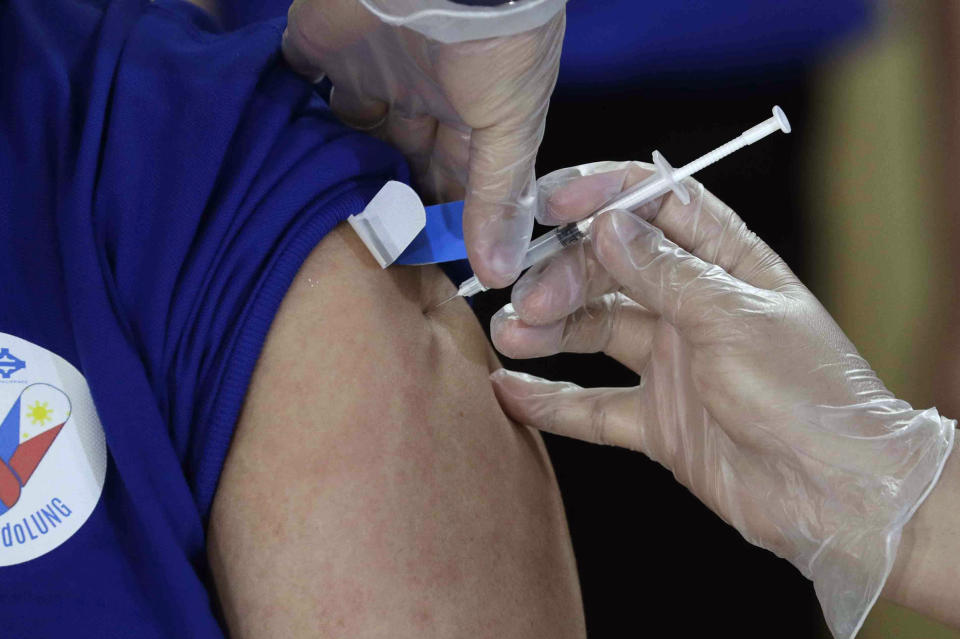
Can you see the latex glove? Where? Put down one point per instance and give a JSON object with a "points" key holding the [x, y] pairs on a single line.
{"points": [[468, 115], [750, 393]]}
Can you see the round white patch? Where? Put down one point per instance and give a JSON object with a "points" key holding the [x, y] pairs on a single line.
{"points": [[53, 455]]}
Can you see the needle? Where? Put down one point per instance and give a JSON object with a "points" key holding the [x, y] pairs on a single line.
{"points": [[449, 299]]}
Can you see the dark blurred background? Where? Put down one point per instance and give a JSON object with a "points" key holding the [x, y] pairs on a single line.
{"points": [[853, 200]]}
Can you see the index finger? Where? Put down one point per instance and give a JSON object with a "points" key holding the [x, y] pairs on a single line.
{"points": [[571, 194]]}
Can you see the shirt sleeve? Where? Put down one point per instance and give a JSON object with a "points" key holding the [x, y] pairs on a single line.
{"points": [[220, 170]]}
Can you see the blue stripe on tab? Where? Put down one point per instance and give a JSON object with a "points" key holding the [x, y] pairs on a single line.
{"points": [[441, 240]]}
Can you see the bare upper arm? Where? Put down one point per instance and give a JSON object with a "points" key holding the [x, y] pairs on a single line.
{"points": [[374, 488]]}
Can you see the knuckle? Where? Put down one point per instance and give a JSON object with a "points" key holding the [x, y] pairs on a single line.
{"points": [[599, 424], [612, 318], [550, 419]]}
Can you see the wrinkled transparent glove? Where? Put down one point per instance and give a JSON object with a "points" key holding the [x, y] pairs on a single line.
{"points": [[458, 21], [750, 393], [469, 115]]}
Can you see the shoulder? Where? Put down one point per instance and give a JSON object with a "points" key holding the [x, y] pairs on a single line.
{"points": [[373, 480]]}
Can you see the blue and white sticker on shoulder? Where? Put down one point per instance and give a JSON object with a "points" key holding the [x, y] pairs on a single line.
{"points": [[397, 229]]}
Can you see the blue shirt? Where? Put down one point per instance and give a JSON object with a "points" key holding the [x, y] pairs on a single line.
{"points": [[161, 185]]}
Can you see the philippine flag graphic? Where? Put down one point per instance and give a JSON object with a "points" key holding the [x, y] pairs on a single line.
{"points": [[26, 433]]}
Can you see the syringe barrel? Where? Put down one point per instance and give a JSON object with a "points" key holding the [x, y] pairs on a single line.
{"points": [[543, 247], [552, 242]]}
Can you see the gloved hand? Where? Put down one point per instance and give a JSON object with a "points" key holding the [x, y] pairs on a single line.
{"points": [[468, 113], [750, 393]]}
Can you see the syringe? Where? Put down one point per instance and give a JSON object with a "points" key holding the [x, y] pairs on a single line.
{"points": [[665, 179]]}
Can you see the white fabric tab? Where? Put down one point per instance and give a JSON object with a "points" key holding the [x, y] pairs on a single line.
{"points": [[390, 222]]}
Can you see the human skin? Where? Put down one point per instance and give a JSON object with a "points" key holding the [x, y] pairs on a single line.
{"points": [[374, 488], [927, 568]]}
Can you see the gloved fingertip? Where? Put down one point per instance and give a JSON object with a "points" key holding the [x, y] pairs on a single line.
{"points": [[529, 299], [526, 390], [293, 55], [497, 235], [583, 196], [508, 387], [513, 384], [506, 263], [297, 59], [518, 340], [495, 263], [498, 326], [502, 335], [498, 269], [553, 289], [501, 379]]}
